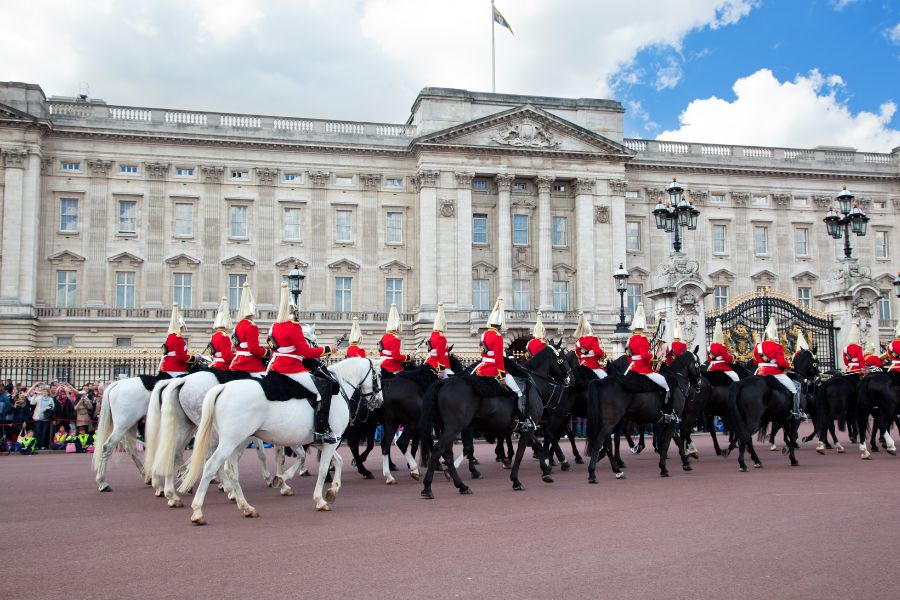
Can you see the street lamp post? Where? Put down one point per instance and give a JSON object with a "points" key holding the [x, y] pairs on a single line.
{"points": [[621, 278], [295, 284], [897, 285], [850, 218], [676, 214]]}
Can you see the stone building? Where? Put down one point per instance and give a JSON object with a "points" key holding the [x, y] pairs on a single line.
{"points": [[110, 212]]}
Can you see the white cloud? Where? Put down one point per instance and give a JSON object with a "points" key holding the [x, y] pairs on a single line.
{"points": [[360, 59], [841, 4], [669, 75], [805, 112], [893, 34]]}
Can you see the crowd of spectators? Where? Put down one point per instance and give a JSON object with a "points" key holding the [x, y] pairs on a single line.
{"points": [[48, 416]]}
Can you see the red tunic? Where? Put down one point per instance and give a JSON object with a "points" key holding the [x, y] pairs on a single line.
{"points": [[769, 358], [854, 359], [534, 346], [223, 353], [674, 350], [719, 358], [437, 352], [491, 363], [176, 357], [894, 355], [248, 354], [641, 357], [355, 351], [389, 349], [589, 352], [873, 360], [292, 348]]}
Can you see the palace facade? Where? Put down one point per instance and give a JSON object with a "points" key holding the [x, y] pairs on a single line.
{"points": [[109, 213]]}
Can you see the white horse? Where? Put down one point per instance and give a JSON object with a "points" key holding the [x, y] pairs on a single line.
{"points": [[240, 409]]}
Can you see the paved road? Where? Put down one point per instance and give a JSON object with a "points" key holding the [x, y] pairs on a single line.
{"points": [[826, 529]]}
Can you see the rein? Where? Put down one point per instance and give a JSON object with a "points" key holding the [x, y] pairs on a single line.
{"points": [[367, 398]]}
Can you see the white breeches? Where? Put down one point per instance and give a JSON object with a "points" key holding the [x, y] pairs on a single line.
{"points": [[786, 382], [447, 373], [600, 373], [659, 380], [732, 375], [306, 380], [511, 384]]}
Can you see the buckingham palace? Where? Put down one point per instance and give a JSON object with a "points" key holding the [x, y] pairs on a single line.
{"points": [[110, 213]]}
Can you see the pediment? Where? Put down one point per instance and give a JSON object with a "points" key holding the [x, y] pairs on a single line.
{"points": [[290, 261], [483, 266], [524, 129], [886, 280], [638, 272], [564, 268], [344, 264], [125, 257], [9, 113], [523, 268], [722, 275], [804, 276], [764, 276], [238, 261], [182, 258], [65, 256], [395, 265]]}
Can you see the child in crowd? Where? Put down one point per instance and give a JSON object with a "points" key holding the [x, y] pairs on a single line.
{"points": [[60, 438], [83, 441], [27, 444]]}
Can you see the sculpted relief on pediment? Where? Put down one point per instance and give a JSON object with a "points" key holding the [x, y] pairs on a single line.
{"points": [[524, 133]]}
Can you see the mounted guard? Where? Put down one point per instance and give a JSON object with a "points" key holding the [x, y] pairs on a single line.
{"points": [[392, 358], [676, 347], [588, 348], [220, 345], [893, 352], [248, 354], [538, 339], [873, 361], [854, 358], [770, 362], [641, 360], [176, 358], [717, 354], [437, 346], [355, 349]]}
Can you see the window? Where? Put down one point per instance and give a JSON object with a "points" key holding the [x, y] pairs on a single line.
{"points": [[131, 169], [801, 241], [804, 295], [343, 180], [521, 294], [343, 290], [520, 230], [760, 241], [127, 216], [235, 287], [633, 296], [718, 239], [717, 198], [559, 187], [393, 229], [561, 295], [65, 289], [881, 244], [759, 200], [393, 294], [123, 342], [181, 288], [559, 231], [481, 293], [519, 186], [393, 182], [62, 341], [238, 224], [68, 214], [291, 224], [184, 171], [633, 236], [184, 219], [720, 296], [124, 289], [880, 204], [884, 308], [479, 184], [290, 177], [479, 229], [240, 175], [799, 202], [343, 226], [632, 194], [70, 166]]}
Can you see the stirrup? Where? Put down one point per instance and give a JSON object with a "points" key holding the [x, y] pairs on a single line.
{"points": [[526, 424], [669, 418], [799, 415], [325, 438]]}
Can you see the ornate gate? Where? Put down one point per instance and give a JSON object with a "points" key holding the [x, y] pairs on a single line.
{"points": [[746, 317]]}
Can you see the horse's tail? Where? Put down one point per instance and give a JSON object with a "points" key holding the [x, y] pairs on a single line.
{"points": [[593, 416], [151, 427], [164, 462], [201, 439], [104, 425], [841, 414], [763, 432], [862, 394], [734, 415], [426, 423]]}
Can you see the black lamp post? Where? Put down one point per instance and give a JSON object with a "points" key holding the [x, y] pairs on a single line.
{"points": [[851, 218], [295, 283], [897, 285], [621, 277], [676, 214]]}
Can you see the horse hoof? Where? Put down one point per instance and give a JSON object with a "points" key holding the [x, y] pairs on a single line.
{"points": [[159, 493], [368, 476], [426, 494], [447, 476], [251, 513], [892, 451], [773, 447], [391, 482], [324, 508], [352, 462], [592, 480], [742, 469], [518, 487], [277, 482], [840, 450], [620, 475], [330, 495], [287, 492], [476, 475], [757, 465], [547, 479], [794, 463], [507, 465], [415, 475], [664, 474], [866, 456], [105, 488], [687, 467], [475, 461], [784, 451], [565, 466], [305, 473], [579, 460], [198, 520], [176, 504], [465, 491]]}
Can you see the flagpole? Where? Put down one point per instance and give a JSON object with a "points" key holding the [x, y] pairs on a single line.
{"points": [[493, 54]]}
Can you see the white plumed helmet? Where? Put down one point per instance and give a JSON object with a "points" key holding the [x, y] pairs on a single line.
{"points": [[497, 317], [223, 315], [247, 308], [718, 333], [284, 305], [176, 323], [802, 344], [852, 335], [639, 320], [539, 332], [440, 319], [393, 321], [583, 328], [772, 329], [355, 332]]}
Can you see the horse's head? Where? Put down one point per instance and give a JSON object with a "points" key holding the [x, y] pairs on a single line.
{"points": [[561, 370], [686, 365], [806, 364], [309, 332], [455, 364]]}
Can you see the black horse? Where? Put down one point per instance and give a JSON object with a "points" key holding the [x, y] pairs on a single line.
{"points": [[610, 401], [805, 373], [710, 402], [572, 403], [878, 395], [835, 400]]}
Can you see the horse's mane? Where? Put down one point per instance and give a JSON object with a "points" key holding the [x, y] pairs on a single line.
{"points": [[680, 361], [343, 367]]}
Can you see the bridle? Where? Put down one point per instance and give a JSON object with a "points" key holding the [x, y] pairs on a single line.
{"points": [[556, 389], [370, 399]]}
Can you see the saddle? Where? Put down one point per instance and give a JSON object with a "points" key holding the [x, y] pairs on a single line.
{"points": [[776, 386], [280, 388], [637, 383], [716, 378], [423, 376], [486, 387], [149, 381]]}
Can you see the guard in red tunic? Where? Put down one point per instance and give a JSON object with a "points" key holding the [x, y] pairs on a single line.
{"points": [[355, 350], [676, 347], [538, 339], [770, 362], [641, 360], [893, 353], [854, 358], [872, 360], [176, 358], [437, 345], [492, 365], [220, 344], [717, 354], [392, 358], [248, 354], [291, 348], [587, 347]]}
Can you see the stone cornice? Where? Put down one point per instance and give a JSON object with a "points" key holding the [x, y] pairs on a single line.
{"points": [[760, 172]]}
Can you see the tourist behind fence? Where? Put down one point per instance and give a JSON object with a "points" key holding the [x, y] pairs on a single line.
{"points": [[60, 438], [42, 403], [84, 408], [26, 444]]}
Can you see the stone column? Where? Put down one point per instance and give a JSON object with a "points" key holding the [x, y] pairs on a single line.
{"points": [[268, 281], [153, 276], [504, 236], [426, 183], [212, 234], [368, 211], [545, 243], [584, 253], [31, 202], [318, 271], [464, 241], [11, 266], [97, 209]]}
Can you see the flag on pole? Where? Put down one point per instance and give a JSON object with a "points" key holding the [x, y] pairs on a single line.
{"points": [[500, 19]]}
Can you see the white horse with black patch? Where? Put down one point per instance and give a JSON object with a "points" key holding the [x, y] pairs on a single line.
{"points": [[240, 409]]}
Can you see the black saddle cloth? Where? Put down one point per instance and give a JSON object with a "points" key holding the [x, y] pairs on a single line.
{"points": [[486, 387], [583, 377], [637, 383], [151, 380], [716, 378], [279, 388], [776, 386], [423, 376]]}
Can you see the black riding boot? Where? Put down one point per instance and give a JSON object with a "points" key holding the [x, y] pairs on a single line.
{"points": [[523, 422], [796, 412], [323, 430], [669, 415]]}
